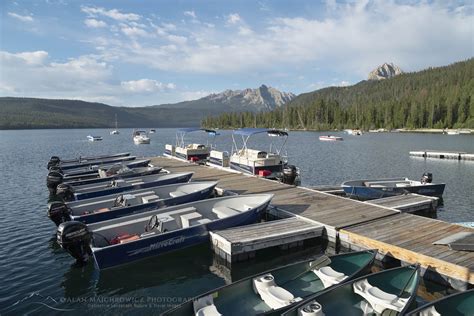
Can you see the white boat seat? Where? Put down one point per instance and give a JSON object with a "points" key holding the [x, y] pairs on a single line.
{"points": [[224, 211], [430, 311], [150, 198], [273, 295], [378, 299], [204, 306], [329, 276], [203, 221], [189, 219], [177, 193], [402, 185], [209, 310]]}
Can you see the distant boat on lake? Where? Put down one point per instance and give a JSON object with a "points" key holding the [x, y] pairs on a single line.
{"points": [[115, 131], [330, 138], [140, 137], [94, 138]]}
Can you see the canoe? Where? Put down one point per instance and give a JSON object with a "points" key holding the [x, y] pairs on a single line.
{"points": [[275, 291], [81, 192], [369, 189], [127, 203], [130, 238], [459, 304], [387, 292], [55, 160], [86, 163], [55, 178]]}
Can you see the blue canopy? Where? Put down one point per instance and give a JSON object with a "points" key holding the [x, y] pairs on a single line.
{"points": [[194, 129], [252, 131]]}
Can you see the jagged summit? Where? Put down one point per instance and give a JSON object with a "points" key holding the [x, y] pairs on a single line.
{"points": [[385, 71]]}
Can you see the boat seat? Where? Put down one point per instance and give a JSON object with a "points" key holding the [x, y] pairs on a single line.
{"points": [[378, 299], [203, 221], [204, 306], [189, 219], [209, 310], [273, 295], [224, 211], [329, 276], [177, 193], [150, 198], [402, 185], [137, 183], [430, 311]]}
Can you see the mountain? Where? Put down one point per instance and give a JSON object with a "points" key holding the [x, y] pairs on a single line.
{"points": [[27, 113], [441, 97], [253, 100], [385, 71]]}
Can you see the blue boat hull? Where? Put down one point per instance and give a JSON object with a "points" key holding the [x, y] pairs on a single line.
{"points": [[88, 195], [98, 217], [367, 193], [125, 253]]}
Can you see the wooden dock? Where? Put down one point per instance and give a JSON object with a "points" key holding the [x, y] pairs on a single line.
{"points": [[455, 155], [409, 203], [354, 224], [240, 243]]}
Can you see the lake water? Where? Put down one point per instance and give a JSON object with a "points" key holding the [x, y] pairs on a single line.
{"points": [[36, 272]]}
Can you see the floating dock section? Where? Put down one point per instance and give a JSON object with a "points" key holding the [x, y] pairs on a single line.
{"points": [[354, 224], [409, 203], [455, 155]]}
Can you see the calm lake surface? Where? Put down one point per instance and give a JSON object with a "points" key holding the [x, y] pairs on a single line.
{"points": [[35, 272]]}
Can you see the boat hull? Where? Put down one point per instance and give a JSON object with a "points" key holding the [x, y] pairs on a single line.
{"points": [[255, 170], [200, 157], [125, 211], [160, 244], [78, 160], [368, 193], [457, 304], [108, 191], [149, 172], [83, 164], [87, 171]]}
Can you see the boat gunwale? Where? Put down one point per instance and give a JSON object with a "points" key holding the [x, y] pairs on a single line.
{"points": [[433, 303]]}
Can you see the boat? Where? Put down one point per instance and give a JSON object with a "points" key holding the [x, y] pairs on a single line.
{"points": [[271, 165], [459, 304], [115, 131], [152, 131], [134, 237], [81, 192], [275, 291], [452, 132], [92, 162], [140, 137], [380, 188], [193, 152], [389, 292], [55, 178], [94, 138], [330, 138], [55, 160], [130, 202]]}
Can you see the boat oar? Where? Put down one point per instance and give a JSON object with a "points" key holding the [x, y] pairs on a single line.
{"points": [[315, 264]]}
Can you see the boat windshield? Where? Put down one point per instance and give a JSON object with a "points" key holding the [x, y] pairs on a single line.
{"points": [[182, 132], [277, 143]]}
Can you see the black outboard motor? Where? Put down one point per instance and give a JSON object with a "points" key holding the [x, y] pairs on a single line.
{"points": [[289, 174], [65, 192], [58, 212], [427, 178], [75, 238], [56, 168], [54, 161], [53, 179]]}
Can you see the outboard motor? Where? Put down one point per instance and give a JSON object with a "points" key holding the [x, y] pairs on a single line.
{"points": [[65, 192], [57, 169], [54, 161], [75, 238], [427, 178], [289, 174], [58, 212], [53, 179]]}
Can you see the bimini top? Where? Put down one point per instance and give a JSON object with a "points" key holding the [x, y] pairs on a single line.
{"points": [[194, 129], [252, 131]]}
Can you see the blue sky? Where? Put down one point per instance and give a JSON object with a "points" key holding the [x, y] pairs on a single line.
{"points": [[137, 53]]}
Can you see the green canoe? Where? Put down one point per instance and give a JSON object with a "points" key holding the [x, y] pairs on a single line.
{"points": [[389, 292], [459, 304], [275, 291]]}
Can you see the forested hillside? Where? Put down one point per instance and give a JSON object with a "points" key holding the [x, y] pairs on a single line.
{"points": [[434, 98]]}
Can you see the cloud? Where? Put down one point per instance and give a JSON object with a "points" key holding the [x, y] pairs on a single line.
{"points": [[190, 14], [23, 18], [93, 23], [133, 31], [194, 95], [113, 13], [233, 18], [146, 85]]}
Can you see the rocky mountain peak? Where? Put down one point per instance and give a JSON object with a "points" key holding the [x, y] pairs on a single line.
{"points": [[385, 71]]}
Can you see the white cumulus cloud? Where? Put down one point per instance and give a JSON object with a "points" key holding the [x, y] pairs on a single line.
{"points": [[146, 85], [93, 23], [233, 18], [23, 18], [190, 14], [113, 13]]}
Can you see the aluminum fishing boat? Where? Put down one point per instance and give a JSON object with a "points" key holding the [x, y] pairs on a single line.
{"points": [[81, 192], [130, 238], [275, 291], [55, 160], [194, 152], [380, 188], [330, 138], [389, 292], [92, 162], [130, 202], [459, 304], [272, 164]]}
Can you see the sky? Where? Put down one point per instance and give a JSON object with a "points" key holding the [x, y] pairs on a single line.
{"points": [[139, 53]]}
